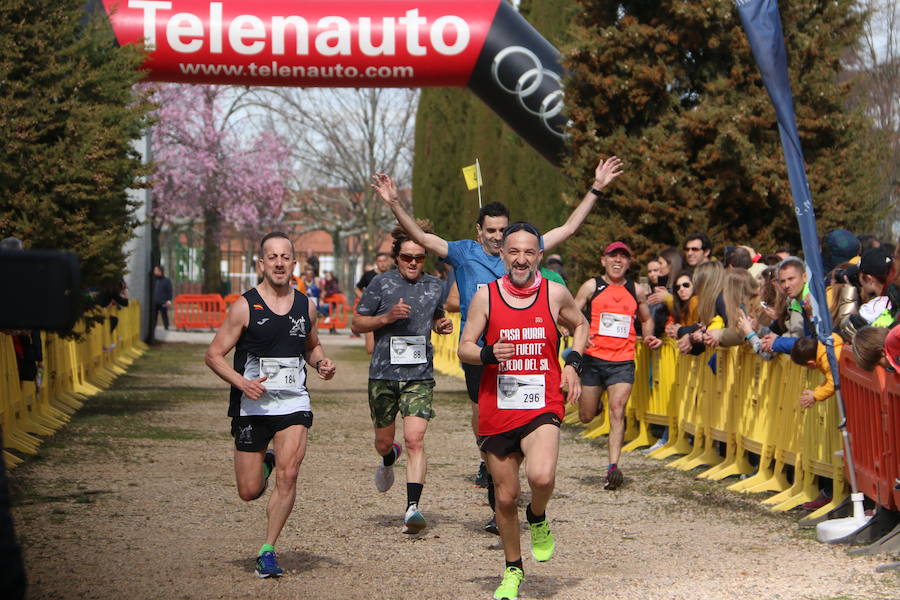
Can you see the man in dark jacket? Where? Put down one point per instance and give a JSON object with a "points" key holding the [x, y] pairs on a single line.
{"points": [[162, 296]]}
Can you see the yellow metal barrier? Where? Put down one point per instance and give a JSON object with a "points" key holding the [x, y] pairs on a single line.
{"points": [[719, 407], [72, 372]]}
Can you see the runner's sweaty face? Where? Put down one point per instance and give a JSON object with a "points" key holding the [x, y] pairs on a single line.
{"points": [[522, 254], [408, 260], [277, 262], [490, 233], [616, 264]]}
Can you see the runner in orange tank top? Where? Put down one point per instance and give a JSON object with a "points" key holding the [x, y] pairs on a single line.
{"points": [[520, 397], [611, 303]]}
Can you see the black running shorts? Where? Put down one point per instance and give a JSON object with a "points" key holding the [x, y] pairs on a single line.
{"points": [[501, 444], [253, 434], [604, 373]]}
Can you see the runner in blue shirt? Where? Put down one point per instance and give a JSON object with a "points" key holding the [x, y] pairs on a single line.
{"points": [[477, 262]]}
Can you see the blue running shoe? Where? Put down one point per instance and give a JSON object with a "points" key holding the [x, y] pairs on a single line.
{"points": [[267, 566]]}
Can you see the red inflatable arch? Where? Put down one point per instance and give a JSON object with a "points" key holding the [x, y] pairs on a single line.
{"points": [[481, 44]]}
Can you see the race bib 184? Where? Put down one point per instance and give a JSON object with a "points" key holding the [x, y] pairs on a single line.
{"points": [[281, 373]]}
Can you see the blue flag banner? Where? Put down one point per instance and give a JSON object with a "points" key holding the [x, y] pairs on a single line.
{"points": [[762, 23]]}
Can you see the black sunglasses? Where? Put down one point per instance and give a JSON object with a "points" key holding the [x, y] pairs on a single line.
{"points": [[685, 284]]}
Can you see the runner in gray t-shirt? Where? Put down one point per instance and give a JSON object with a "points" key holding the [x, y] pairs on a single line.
{"points": [[402, 307]]}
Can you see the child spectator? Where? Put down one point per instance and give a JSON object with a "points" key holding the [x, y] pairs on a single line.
{"points": [[808, 352]]}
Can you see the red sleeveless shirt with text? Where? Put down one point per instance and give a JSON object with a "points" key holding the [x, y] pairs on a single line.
{"points": [[612, 334], [520, 389]]}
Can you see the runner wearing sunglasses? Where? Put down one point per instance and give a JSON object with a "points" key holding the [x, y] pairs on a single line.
{"points": [[402, 307]]}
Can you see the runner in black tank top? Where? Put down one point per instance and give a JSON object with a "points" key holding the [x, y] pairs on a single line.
{"points": [[272, 329]]}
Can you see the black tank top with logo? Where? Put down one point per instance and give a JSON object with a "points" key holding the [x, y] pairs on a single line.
{"points": [[272, 336]]}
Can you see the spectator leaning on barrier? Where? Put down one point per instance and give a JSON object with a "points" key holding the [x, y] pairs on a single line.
{"points": [[870, 348], [810, 353], [708, 280], [795, 322], [684, 307], [874, 275], [740, 295]]}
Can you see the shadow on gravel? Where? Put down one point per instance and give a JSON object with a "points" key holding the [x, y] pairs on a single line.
{"points": [[534, 586], [296, 561], [395, 521]]}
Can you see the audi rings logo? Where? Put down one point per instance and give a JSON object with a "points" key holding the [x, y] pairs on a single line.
{"points": [[538, 90]]}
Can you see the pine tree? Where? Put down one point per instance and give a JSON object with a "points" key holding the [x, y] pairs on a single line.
{"points": [[672, 89], [67, 120]]}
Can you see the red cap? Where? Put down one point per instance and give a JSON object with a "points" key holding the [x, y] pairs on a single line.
{"points": [[892, 348], [617, 246]]}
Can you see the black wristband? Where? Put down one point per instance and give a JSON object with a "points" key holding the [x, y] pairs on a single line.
{"points": [[487, 356], [573, 359], [596, 191]]}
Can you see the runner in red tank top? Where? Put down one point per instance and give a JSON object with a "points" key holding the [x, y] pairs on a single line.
{"points": [[521, 392], [611, 303]]}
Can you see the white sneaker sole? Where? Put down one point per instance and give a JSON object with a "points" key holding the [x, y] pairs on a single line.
{"points": [[414, 527]]}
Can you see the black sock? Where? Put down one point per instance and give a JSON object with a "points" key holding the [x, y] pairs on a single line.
{"points": [[390, 457], [491, 500], [515, 563], [413, 493], [533, 518]]}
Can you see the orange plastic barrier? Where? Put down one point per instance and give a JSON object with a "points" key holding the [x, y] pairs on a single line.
{"points": [[892, 423], [199, 311], [872, 420], [231, 299], [339, 312]]}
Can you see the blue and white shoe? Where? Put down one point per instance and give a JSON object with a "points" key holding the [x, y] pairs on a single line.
{"points": [[267, 566], [413, 522]]}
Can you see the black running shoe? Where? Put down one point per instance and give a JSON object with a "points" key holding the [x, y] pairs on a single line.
{"points": [[614, 479], [482, 479], [491, 526]]}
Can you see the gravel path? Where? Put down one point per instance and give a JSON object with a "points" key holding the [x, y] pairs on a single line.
{"points": [[136, 499]]}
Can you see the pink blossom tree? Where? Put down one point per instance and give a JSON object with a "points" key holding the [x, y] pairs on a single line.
{"points": [[211, 167]]}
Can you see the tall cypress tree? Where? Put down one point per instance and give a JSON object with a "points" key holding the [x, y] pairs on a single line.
{"points": [[67, 120], [672, 87], [453, 127]]}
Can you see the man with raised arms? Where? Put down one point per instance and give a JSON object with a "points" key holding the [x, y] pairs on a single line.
{"points": [[520, 397], [478, 263], [272, 329], [611, 303], [402, 307]]}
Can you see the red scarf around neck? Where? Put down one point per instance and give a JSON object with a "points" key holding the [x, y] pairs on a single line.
{"points": [[518, 292]]}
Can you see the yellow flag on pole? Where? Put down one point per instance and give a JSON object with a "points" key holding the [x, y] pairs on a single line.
{"points": [[471, 175]]}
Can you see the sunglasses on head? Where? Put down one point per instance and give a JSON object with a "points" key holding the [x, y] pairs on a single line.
{"points": [[685, 284], [417, 258]]}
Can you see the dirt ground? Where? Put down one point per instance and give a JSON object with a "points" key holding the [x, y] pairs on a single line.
{"points": [[135, 499]]}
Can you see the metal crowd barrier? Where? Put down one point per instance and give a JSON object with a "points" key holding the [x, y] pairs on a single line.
{"points": [[73, 370]]}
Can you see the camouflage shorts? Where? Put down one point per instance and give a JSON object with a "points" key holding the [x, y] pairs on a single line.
{"points": [[411, 398]]}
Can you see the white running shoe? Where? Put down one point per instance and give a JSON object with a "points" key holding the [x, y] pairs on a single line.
{"points": [[384, 476], [413, 522]]}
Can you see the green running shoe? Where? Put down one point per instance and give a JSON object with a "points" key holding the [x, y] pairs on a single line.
{"points": [[542, 544], [509, 587]]}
